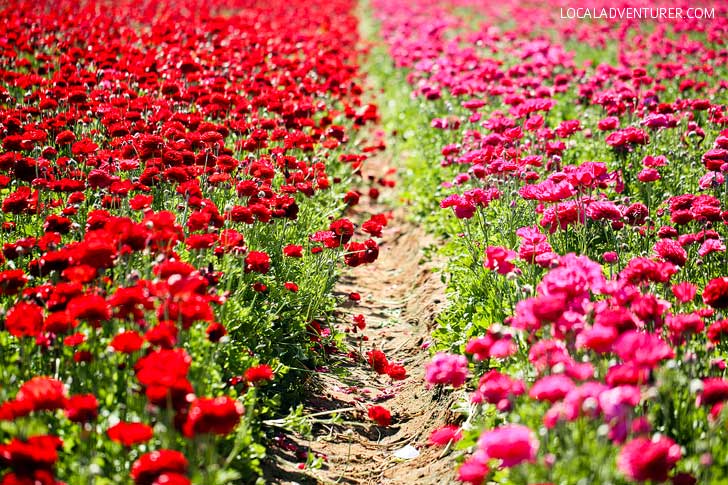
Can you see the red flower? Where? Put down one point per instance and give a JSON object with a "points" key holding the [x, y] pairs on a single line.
{"points": [[150, 466], [127, 342], [380, 415], [293, 251], [715, 293], [129, 434], [172, 479], [11, 281], [291, 286], [43, 394], [164, 375], [718, 331], [378, 361], [343, 229], [218, 416], [25, 457], [82, 408], [24, 320], [258, 262], [396, 371], [92, 308], [215, 331], [259, 373], [10, 410]]}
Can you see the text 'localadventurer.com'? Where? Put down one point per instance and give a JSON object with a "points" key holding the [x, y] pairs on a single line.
{"points": [[647, 13]]}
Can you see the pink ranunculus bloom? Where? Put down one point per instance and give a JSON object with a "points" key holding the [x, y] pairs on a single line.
{"points": [[447, 369], [499, 259], [685, 291], [497, 388], [642, 459], [551, 388], [474, 469], [642, 349], [512, 444], [445, 435]]}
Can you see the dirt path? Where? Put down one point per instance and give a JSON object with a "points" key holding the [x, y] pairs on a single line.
{"points": [[401, 295]]}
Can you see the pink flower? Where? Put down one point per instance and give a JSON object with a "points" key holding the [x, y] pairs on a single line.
{"points": [[711, 246], [551, 388], [474, 469], [648, 175], [512, 444], [447, 369], [445, 435], [499, 259], [715, 390], [684, 292], [497, 388], [642, 349], [642, 459]]}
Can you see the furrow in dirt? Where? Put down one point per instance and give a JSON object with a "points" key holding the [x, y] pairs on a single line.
{"points": [[401, 295]]}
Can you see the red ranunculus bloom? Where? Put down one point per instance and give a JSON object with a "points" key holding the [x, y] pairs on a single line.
{"points": [[43, 394], [259, 373], [81, 408], [258, 262], [380, 415], [715, 293], [218, 416], [151, 465], [129, 434]]}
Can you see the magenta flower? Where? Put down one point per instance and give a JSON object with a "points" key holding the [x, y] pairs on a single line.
{"points": [[642, 459], [512, 444], [447, 369]]}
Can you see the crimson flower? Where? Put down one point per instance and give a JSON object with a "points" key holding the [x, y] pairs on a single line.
{"points": [[129, 434], [380, 415], [148, 468]]}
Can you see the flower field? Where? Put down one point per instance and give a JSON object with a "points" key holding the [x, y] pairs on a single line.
{"points": [[429, 241]]}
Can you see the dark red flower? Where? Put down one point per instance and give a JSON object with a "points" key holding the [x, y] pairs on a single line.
{"points": [[715, 293], [81, 408]]}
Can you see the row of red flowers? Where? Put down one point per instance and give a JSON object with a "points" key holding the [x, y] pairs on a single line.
{"points": [[173, 182]]}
